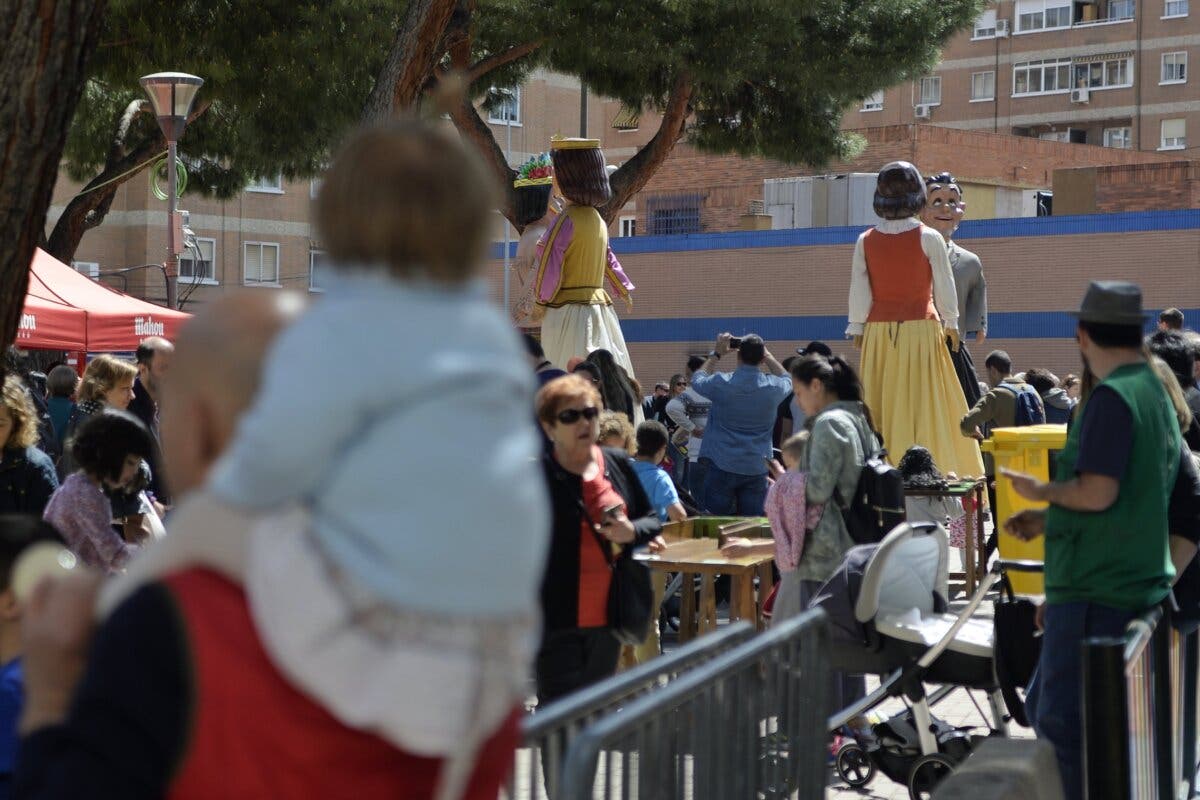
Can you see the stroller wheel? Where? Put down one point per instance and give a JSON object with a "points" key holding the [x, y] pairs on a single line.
{"points": [[926, 773], [853, 765]]}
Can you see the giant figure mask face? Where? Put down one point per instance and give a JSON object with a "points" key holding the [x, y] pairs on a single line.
{"points": [[944, 209], [899, 191]]}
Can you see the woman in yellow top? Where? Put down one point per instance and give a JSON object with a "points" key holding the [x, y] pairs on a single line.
{"points": [[575, 262]]}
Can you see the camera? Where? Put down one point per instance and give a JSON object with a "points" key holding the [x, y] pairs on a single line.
{"points": [[735, 342]]}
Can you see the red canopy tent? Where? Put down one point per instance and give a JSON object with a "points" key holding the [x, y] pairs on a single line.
{"points": [[66, 310]]}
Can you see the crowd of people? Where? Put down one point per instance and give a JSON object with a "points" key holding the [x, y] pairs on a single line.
{"points": [[303, 584]]}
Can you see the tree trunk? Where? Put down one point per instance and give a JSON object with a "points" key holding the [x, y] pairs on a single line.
{"points": [[42, 61], [637, 171], [414, 54]]}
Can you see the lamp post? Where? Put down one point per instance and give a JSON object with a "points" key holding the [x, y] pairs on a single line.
{"points": [[171, 95]]}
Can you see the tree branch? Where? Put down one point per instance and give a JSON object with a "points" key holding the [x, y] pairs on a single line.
{"points": [[496, 60], [472, 128], [635, 173], [414, 53]]}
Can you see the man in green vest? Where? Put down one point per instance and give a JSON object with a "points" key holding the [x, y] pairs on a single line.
{"points": [[1107, 556]]}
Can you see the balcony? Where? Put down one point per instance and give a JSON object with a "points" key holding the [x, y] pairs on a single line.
{"points": [[1101, 12]]}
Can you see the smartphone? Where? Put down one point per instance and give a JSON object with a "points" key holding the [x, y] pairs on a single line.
{"points": [[735, 342], [611, 511]]}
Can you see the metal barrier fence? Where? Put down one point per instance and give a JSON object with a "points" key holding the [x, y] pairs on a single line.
{"points": [[751, 723], [1140, 712], [547, 734]]}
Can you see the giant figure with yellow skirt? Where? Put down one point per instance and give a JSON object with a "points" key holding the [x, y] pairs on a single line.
{"points": [[903, 307], [575, 262]]}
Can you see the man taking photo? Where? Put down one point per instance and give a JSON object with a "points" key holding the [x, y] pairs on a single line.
{"points": [[737, 441]]}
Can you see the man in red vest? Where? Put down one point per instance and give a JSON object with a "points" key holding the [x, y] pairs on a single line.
{"points": [[172, 693]]}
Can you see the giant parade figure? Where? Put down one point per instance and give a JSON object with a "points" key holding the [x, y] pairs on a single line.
{"points": [[535, 214], [575, 262], [943, 212], [902, 308]]}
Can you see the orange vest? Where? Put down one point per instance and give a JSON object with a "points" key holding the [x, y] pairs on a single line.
{"points": [[900, 275]]}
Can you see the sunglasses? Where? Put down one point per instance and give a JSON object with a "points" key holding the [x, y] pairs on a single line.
{"points": [[570, 416]]}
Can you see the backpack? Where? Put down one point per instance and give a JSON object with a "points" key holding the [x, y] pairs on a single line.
{"points": [[878, 502], [1029, 405]]}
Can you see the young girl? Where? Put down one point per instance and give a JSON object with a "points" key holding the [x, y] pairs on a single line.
{"points": [[919, 472], [791, 516], [109, 448]]}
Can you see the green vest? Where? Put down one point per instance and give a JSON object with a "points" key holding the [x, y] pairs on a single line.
{"points": [[1119, 557]]}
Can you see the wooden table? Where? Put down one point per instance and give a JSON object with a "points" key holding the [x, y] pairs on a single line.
{"points": [[702, 557], [975, 551]]}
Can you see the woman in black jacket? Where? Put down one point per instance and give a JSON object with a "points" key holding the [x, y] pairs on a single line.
{"points": [[27, 476], [598, 503]]}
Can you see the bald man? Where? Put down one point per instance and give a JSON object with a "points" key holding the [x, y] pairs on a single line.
{"points": [[176, 695]]}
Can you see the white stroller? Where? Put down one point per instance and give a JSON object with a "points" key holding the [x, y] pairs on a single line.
{"points": [[896, 625]]}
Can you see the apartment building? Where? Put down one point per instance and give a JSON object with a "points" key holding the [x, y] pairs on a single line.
{"points": [[263, 238], [1105, 72]]}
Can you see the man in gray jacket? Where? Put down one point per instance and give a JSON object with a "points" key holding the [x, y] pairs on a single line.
{"points": [[943, 212]]}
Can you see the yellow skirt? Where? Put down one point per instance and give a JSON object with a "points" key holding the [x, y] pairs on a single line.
{"points": [[914, 395]]}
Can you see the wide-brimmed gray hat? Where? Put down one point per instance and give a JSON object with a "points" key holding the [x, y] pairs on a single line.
{"points": [[1112, 303]]}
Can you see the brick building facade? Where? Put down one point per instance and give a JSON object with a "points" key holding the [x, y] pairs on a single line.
{"points": [[1132, 187], [1021, 67]]}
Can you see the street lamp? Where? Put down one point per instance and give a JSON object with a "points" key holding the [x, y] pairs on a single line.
{"points": [[172, 94]]}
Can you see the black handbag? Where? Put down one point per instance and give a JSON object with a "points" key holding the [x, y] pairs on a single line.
{"points": [[630, 591]]}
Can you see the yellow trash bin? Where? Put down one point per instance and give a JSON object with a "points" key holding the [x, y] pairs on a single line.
{"points": [[1027, 449]]}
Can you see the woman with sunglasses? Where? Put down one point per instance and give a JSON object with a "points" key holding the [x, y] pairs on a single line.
{"points": [[597, 502]]}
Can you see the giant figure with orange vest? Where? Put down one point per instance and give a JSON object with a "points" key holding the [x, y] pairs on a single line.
{"points": [[903, 307]]}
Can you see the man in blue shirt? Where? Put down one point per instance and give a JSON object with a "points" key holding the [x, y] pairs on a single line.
{"points": [[737, 442]]}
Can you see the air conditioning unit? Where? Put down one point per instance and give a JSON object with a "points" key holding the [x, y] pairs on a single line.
{"points": [[923, 111], [1079, 95], [1001, 28]]}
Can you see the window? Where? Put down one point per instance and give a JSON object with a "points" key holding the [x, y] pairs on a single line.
{"points": [[1174, 67], [931, 91], [89, 268], [1039, 15], [627, 226], [318, 263], [873, 102], [1042, 77], [1174, 134], [983, 86], [272, 184], [198, 264], [1120, 138], [1103, 73], [1055, 136], [260, 263], [504, 106], [985, 26], [1120, 9], [673, 214], [1175, 8]]}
